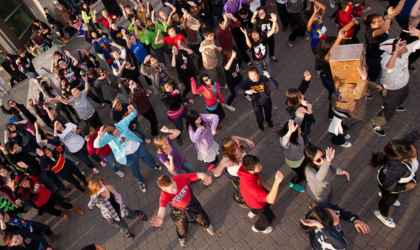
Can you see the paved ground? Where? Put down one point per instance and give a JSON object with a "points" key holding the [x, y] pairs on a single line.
{"points": [[233, 227]]}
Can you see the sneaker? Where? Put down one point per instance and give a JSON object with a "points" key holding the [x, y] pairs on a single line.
{"points": [[230, 108], [347, 137], [142, 187], [306, 38], [102, 104], [290, 43], [296, 187], [95, 170], [250, 64], [61, 45], [273, 58], [143, 216], [224, 87], [411, 68], [158, 168], [347, 144], [400, 109], [185, 103], [83, 173], [77, 163], [129, 236], [396, 203], [387, 222], [284, 28], [210, 229], [120, 173], [261, 126], [270, 124], [211, 167], [251, 215], [294, 172], [248, 51], [103, 164], [332, 5], [147, 141], [377, 129], [318, 73], [182, 242], [248, 98], [267, 230]]}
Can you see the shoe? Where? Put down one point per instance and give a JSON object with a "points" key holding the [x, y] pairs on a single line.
{"points": [[142, 187], [251, 215], [147, 141], [179, 141], [66, 200], [64, 190], [54, 237], [306, 38], [129, 236], [65, 215], [347, 144], [143, 217], [120, 173], [40, 212], [182, 242], [411, 68], [103, 164], [396, 203], [377, 129], [347, 137], [211, 167], [95, 170], [273, 58], [296, 187], [158, 167], [83, 173], [284, 28], [102, 104], [224, 87], [270, 124], [369, 96], [267, 230], [250, 64], [261, 126], [77, 210], [400, 109], [248, 98], [290, 43], [332, 5], [230, 107], [185, 103], [61, 45], [387, 222], [248, 51], [210, 229], [318, 73]]}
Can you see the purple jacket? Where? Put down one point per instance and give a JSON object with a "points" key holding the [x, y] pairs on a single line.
{"points": [[204, 139], [232, 7]]}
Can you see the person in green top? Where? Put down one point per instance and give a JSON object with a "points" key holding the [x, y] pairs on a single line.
{"points": [[87, 15], [151, 33]]}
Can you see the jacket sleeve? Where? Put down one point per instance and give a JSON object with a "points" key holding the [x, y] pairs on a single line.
{"points": [[357, 92], [242, 87], [93, 201], [235, 24], [211, 118], [304, 85], [272, 84], [328, 238], [194, 89], [357, 11], [97, 83], [145, 70], [90, 147], [127, 120], [5, 111], [322, 172], [86, 37], [102, 142], [97, 65], [194, 136]]}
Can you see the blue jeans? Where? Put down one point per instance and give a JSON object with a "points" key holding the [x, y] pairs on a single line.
{"points": [[32, 74], [122, 225], [112, 163], [73, 4], [260, 66], [186, 167], [178, 121], [133, 162], [83, 155], [305, 135], [139, 130]]}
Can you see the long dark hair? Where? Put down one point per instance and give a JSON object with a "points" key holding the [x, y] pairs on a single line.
{"points": [[45, 85], [398, 150], [283, 131], [267, 17], [321, 214], [192, 117], [323, 47], [27, 192], [48, 159], [310, 154], [227, 54], [369, 20]]}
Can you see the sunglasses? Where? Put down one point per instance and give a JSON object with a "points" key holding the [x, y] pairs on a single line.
{"points": [[319, 160], [207, 79], [318, 18]]}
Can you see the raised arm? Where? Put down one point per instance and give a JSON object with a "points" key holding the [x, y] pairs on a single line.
{"points": [[174, 133], [248, 42], [275, 25], [341, 34], [157, 41]]}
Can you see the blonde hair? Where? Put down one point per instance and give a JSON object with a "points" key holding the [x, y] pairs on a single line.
{"points": [[94, 184]]}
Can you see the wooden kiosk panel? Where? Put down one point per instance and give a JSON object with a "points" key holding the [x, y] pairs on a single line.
{"points": [[344, 60]]}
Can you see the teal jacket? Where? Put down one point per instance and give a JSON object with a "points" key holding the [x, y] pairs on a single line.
{"points": [[112, 141]]}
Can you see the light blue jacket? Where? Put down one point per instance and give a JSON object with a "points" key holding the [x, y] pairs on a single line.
{"points": [[112, 141]]}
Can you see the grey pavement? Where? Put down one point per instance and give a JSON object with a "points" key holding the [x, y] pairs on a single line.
{"points": [[233, 227]]}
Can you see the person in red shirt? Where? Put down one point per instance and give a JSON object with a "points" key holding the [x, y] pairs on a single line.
{"points": [[105, 152], [106, 19], [257, 195], [173, 38], [346, 15], [176, 190]]}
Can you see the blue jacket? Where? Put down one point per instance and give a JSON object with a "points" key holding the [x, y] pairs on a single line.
{"points": [[112, 141]]}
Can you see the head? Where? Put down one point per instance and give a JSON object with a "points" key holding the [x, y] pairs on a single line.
{"points": [[131, 84], [127, 8], [114, 25], [319, 19], [398, 150], [132, 39], [12, 239], [104, 13], [195, 120], [112, 130], [323, 48], [262, 13], [175, 17], [47, 10], [95, 184], [344, 5], [254, 35], [116, 104], [84, 52], [374, 21], [89, 131], [75, 92], [62, 64], [21, 53], [93, 34], [221, 22], [324, 215], [85, 6], [161, 142], [394, 47], [208, 34], [11, 127], [294, 97], [205, 79], [60, 126], [48, 154], [230, 147], [94, 73], [150, 24], [163, 15], [243, 13], [166, 184], [11, 103], [227, 54], [251, 164], [167, 88], [285, 129], [5, 171], [171, 31], [53, 112], [153, 62], [36, 22], [314, 156], [173, 49], [253, 74], [12, 147], [114, 54]]}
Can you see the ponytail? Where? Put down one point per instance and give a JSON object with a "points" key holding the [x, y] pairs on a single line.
{"points": [[377, 159]]}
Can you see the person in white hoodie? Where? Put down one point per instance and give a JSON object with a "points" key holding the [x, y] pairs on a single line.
{"points": [[394, 78]]}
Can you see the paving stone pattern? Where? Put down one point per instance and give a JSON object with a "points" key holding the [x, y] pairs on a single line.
{"points": [[233, 227]]}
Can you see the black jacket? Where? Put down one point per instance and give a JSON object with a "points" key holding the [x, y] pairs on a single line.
{"points": [[264, 86], [31, 241], [15, 113]]}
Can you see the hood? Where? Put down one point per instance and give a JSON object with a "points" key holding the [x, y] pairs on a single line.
{"points": [[245, 175], [387, 46]]}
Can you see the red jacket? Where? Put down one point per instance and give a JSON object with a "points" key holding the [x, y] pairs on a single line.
{"points": [[344, 18], [209, 97], [251, 189], [102, 152]]}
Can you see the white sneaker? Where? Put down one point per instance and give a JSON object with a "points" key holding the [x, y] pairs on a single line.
{"points": [[61, 45], [147, 140], [142, 187], [332, 5], [210, 230], [83, 173], [224, 87], [103, 164], [77, 163], [248, 98], [267, 230], [387, 222], [95, 170], [396, 203], [347, 137], [120, 173], [230, 108], [250, 64], [251, 214], [347, 144]]}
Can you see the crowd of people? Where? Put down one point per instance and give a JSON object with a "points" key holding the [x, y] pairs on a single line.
{"points": [[47, 143]]}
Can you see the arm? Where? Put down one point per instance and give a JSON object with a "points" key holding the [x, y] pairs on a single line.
{"points": [[194, 89], [93, 201], [322, 172], [211, 118], [224, 163], [229, 63], [341, 34], [157, 40], [271, 196], [274, 28], [414, 14], [347, 16], [173, 61]]}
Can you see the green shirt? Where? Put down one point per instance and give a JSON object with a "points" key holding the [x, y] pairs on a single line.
{"points": [[151, 35]]}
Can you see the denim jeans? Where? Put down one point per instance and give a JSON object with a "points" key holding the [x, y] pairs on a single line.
{"points": [[186, 167], [178, 121], [140, 131], [32, 74], [83, 155], [261, 69], [112, 163], [73, 4], [133, 161], [258, 109], [122, 225]]}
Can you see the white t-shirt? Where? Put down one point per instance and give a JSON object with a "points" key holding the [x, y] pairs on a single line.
{"points": [[129, 146], [73, 141]]}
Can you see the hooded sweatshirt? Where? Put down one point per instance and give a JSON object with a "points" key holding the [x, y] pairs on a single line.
{"points": [[232, 7], [251, 189], [263, 87]]}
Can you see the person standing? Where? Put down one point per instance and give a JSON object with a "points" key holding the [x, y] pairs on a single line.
{"points": [[181, 60], [176, 191], [259, 88], [258, 195]]}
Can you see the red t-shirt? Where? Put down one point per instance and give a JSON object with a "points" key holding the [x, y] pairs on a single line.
{"points": [[181, 199], [44, 194], [102, 152], [177, 40], [105, 20]]}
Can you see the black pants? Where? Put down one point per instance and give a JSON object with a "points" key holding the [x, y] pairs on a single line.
{"points": [[391, 99], [265, 217], [52, 201], [54, 177], [67, 110], [71, 178], [300, 29], [40, 228], [258, 109], [281, 9], [160, 53], [271, 45], [300, 171], [346, 124], [151, 117], [242, 47], [386, 201], [187, 82], [218, 111], [94, 120]]}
